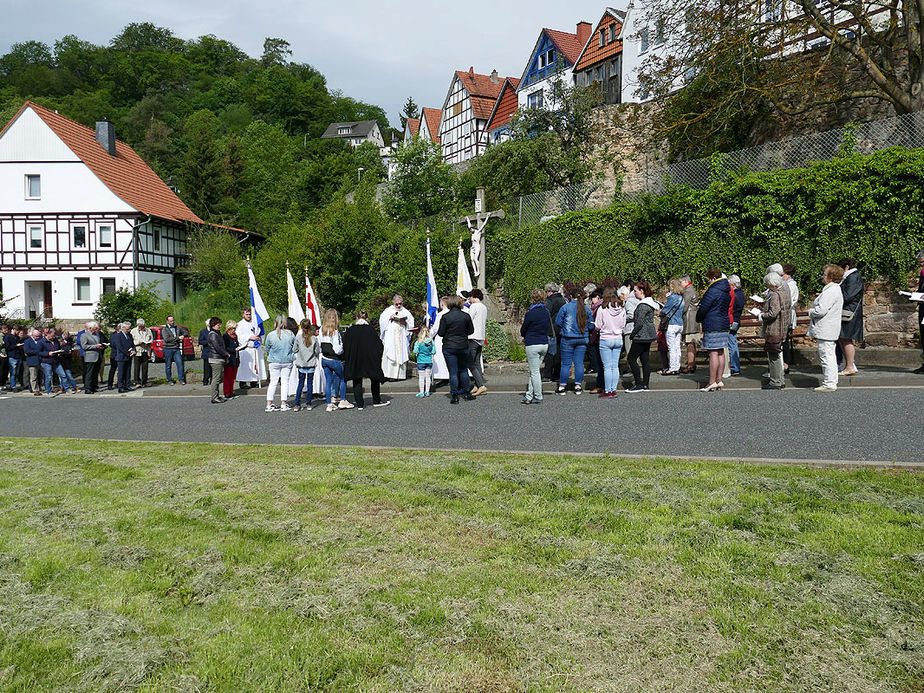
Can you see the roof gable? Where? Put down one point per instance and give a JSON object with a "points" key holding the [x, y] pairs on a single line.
{"points": [[28, 138], [412, 127], [505, 106], [125, 174], [485, 86], [593, 53], [430, 120]]}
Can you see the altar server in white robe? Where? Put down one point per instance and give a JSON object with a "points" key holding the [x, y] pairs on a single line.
{"points": [[395, 324], [252, 368]]}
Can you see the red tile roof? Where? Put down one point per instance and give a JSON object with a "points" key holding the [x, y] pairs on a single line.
{"points": [[480, 85], [413, 126], [593, 53], [125, 174], [505, 106], [432, 116], [569, 45]]}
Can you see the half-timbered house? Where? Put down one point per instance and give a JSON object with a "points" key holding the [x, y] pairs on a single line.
{"points": [[601, 60], [553, 57], [466, 111], [81, 214]]}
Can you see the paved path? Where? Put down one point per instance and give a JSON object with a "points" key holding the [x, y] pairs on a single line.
{"points": [[870, 420]]}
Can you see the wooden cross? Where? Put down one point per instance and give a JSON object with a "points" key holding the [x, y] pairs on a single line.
{"points": [[477, 225]]}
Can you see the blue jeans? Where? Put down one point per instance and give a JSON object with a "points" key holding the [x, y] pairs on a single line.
{"points": [[171, 356], [734, 357], [14, 371], [303, 375], [58, 370], [334, 384], [572, 351], [457, 363], [609, 354]]}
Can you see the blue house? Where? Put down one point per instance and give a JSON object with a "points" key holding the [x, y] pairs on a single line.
{"points": [[553, 57]]}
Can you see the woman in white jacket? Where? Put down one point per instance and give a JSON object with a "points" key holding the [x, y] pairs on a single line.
{"points": [[825, 325]]}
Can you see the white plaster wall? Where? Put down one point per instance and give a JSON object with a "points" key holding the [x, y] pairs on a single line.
{"points": [[66, 187], [64, 290]]}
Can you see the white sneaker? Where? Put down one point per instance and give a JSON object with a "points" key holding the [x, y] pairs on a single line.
{"points": [[331, 407], [270, 407], [344, 405], [285, 407], [383, 403]]}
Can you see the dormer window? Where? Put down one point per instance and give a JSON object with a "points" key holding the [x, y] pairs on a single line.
{"points": [[33, 187], [344, 131], [613, 30], [602, 38]]}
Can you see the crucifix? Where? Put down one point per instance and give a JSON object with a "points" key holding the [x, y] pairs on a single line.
{"points": [[477, 226]]}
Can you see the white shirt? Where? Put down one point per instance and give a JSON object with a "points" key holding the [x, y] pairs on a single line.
{"points": [[479, 313]]}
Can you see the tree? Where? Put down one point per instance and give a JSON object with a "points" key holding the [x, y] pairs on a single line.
{"points": [[421, 184], [204, 175], [506, 170], [568, 144], [275, 51], [743, 59], [125, 304], [410, 110]]}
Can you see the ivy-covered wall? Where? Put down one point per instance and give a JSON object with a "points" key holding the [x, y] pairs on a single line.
{"points": [[868, 207]]}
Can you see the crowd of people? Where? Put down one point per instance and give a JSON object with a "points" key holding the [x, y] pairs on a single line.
{"points": [[599, 325], [606, 323]]}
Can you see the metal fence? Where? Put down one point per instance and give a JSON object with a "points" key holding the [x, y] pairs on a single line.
{"points": [[541, 206], [901, 131]]}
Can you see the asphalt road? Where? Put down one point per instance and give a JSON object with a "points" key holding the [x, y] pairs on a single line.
{"points": [[882, 425]]}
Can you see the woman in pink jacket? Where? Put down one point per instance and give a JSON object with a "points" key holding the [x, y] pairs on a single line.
{"points": [[610, 322]]}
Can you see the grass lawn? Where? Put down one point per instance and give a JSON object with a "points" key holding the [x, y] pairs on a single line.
{"points": [[196, 567]]}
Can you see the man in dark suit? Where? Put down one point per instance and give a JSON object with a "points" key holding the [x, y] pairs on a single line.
{"points": [[553, 304], [92, 347], [206, 354], [123, 347]]}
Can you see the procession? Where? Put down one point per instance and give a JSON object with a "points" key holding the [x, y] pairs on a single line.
{"points": [[311, 353]]}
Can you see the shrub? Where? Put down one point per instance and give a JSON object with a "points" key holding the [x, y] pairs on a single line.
{"points": [[498, 346], [871, 208], [131, 304]]}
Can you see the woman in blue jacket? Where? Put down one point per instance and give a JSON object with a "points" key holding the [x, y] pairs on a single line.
{"points": [[535, 333], [575, 322], [713, 313]]}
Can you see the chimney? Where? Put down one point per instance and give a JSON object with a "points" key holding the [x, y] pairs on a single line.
{"points": [[105, 135], [583, 32], [494, 79]]}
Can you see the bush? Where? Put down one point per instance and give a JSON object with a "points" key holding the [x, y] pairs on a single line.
{"points": [[127, 304], [498, 346], [870, 208]]}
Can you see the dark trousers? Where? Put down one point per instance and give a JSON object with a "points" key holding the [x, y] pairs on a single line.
{"points": [[113, 370], [474, 359], [91, 376], [4, 370], [124, 378], [358, 392], [921, 326], [593, 353], [553, 362], [140, 369], [457, 363], [640, 350], [787, 348], [206, 372]]}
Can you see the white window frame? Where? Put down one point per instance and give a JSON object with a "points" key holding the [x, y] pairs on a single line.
{"points": [[85, 282], [602, 36], [156, 235], [40, 238], [28, 183], [644, 41], [102, 285], [613, 32], [344, 131], [99, 232]]}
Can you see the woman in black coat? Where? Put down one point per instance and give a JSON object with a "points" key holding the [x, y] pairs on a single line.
{"points": [[852, 329], [362, 358], [455, 327]]}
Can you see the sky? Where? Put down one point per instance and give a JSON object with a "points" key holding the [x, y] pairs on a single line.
{"points": [[377, 51]]}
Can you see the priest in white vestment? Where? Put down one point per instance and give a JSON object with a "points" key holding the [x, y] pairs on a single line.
{"points": [[252, 368], [395, 324]]}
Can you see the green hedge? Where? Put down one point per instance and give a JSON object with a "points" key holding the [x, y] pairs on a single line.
{"points": [[868, 207]]}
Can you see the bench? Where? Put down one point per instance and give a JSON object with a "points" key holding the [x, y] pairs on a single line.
{"points": [[749, 329]]}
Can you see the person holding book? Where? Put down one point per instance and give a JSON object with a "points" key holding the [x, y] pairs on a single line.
{"points": [[825, 325]]}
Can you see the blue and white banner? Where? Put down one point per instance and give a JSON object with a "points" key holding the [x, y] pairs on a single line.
{"points": [[433, 298], [260, 314]]}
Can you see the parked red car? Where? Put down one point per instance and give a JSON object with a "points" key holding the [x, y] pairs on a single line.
{"points": [[157, 348]]}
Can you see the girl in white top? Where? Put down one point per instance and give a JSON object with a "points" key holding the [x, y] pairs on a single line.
{"points": [[332, 361]]}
